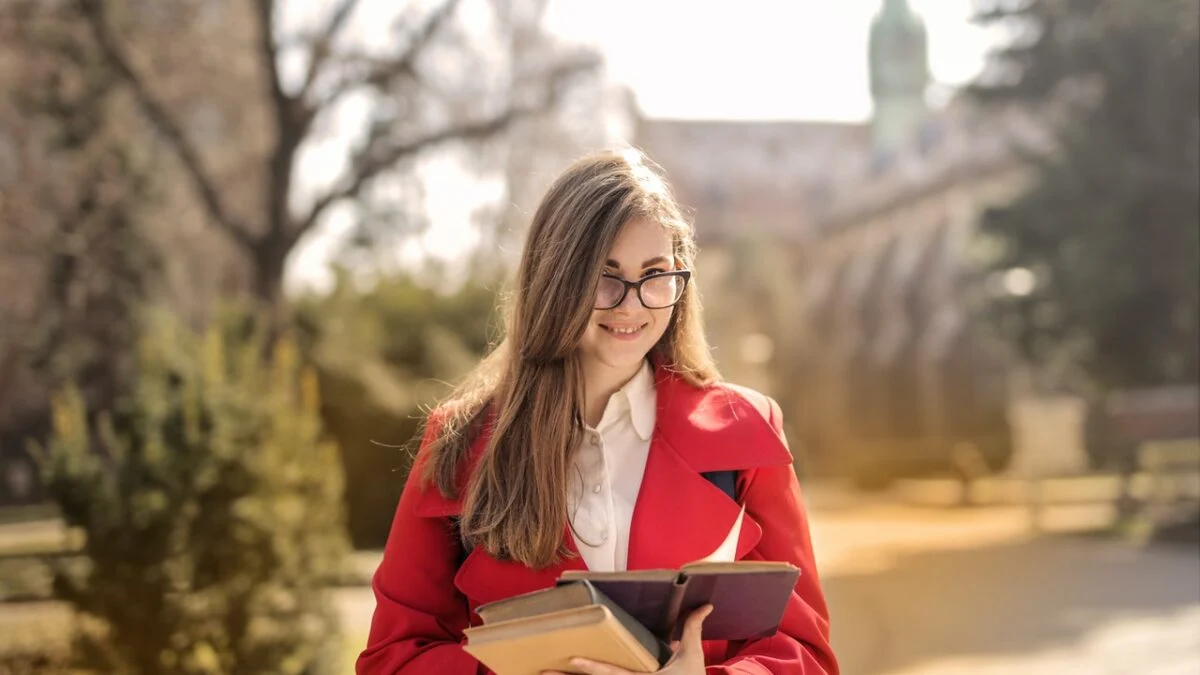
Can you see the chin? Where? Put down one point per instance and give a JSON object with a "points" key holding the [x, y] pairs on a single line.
{"points": [[624, 359], [618, 357]]}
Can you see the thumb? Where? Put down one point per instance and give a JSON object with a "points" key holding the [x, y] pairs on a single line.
{"points": [[692, 628]]}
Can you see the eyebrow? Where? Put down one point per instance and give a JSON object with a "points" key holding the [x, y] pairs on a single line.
{"points": [[659, 260]]}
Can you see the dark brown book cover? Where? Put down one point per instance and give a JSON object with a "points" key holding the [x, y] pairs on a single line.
{"points": [[748, 597]]}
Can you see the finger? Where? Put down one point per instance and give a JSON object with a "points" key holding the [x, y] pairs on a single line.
{"points": [[674, 646], [692, 628], [590, 667]]}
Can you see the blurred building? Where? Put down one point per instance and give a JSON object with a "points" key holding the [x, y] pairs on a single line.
{"points": [[753, 191], [834, 258], [895, 371]]}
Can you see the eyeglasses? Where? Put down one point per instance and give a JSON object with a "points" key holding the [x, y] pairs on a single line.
{"points": [[654, 291]]}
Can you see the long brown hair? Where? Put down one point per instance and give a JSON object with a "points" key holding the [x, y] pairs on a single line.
{"points": [[529, 391]]}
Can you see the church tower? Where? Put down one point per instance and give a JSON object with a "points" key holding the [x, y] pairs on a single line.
{"points": [[899, 63]]}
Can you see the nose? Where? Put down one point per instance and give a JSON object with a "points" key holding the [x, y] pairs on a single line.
{"points": [[631, 301]]}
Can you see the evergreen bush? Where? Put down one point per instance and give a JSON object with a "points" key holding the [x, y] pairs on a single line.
{"points": [[212, 510]]}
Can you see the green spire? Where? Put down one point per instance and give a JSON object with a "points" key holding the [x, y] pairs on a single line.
{"points": [[896, 8], [899, 63]]}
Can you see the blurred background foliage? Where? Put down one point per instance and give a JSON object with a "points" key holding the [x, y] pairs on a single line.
{"points": [[385, 354], [210, 505], [1107, 236]]}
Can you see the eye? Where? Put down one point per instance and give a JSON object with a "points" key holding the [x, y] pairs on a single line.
{"points": [[652, 271]]}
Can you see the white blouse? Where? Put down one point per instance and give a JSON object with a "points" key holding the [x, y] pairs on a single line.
{"points": [[607, 475]]}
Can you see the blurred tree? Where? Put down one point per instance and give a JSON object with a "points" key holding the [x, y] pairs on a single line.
{"points": [[73, 214], [384, 354], [426, 88], [1097, 267], [592, 114], [211, 509]]}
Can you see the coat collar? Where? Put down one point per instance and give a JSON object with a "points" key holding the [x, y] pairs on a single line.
{"points": [[679, 516], [715, 428]]}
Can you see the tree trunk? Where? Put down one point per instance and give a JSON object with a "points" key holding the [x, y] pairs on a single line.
{"points": [[269, 257]]}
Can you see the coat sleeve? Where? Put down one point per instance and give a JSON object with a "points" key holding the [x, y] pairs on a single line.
{"points": [[801, 647], [419, 613]]}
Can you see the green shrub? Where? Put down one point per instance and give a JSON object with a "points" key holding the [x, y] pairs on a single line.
{"points": [[212, 510], [385, 354]]}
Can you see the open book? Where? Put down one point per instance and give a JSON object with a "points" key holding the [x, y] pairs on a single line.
{"points": [[625, 618], [748, 596]]}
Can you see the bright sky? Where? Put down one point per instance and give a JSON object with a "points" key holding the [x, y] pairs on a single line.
{"points": [[756, 59]]}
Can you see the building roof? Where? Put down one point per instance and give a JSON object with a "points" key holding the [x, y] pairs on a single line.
{"points": [[752, 178], [793, 181], [954, 146]]}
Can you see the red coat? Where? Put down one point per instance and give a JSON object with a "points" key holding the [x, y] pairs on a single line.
{"points": [[424, 599]]}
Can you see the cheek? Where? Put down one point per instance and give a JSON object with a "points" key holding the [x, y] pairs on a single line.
{"points": [[662, 320], [592, 333]]}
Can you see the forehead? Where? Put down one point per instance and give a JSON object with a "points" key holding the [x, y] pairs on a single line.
{"points": [[641, 239]]}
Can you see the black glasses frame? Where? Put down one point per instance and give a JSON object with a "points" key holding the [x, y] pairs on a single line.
{"points": [[686, 275]]}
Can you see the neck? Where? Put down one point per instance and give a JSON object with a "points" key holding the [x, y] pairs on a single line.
{"points": [[600, 382]]}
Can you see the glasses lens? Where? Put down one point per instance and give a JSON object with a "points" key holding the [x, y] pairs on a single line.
{"points": [[662, 291], [609, 292]]}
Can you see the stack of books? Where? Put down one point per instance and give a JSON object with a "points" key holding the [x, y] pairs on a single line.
{"points": [[543, 630]]}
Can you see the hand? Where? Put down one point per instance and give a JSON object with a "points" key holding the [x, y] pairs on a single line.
{"points": [[688, 658]]}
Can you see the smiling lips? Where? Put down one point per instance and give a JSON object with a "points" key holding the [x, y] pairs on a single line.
{"points": [[624, 332]]}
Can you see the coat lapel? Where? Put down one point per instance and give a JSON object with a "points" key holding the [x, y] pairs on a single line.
{"points": [[483, 579], [680, 516]]}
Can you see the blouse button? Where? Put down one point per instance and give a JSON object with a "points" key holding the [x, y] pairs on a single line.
{"points": [[604, 536], [595, 439], [596, 488]]}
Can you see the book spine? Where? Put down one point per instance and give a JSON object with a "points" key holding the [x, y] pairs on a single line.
{"points": [[674, 607]]}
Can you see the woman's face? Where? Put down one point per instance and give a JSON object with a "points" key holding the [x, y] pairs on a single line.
{"points": [[620, 337]]}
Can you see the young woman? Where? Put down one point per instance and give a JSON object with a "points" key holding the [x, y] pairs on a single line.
{"points": [[581, 442]]}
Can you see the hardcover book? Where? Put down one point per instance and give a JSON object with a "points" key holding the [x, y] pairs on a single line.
{"points": [[748, 597], [543, 630]]}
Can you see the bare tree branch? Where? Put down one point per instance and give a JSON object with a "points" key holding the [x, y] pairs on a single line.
{"points": [[266, 45], [379, 72], [430, 28], [370, 164], [291, 122], [323, 45], [93, 11], [367, 165]]}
